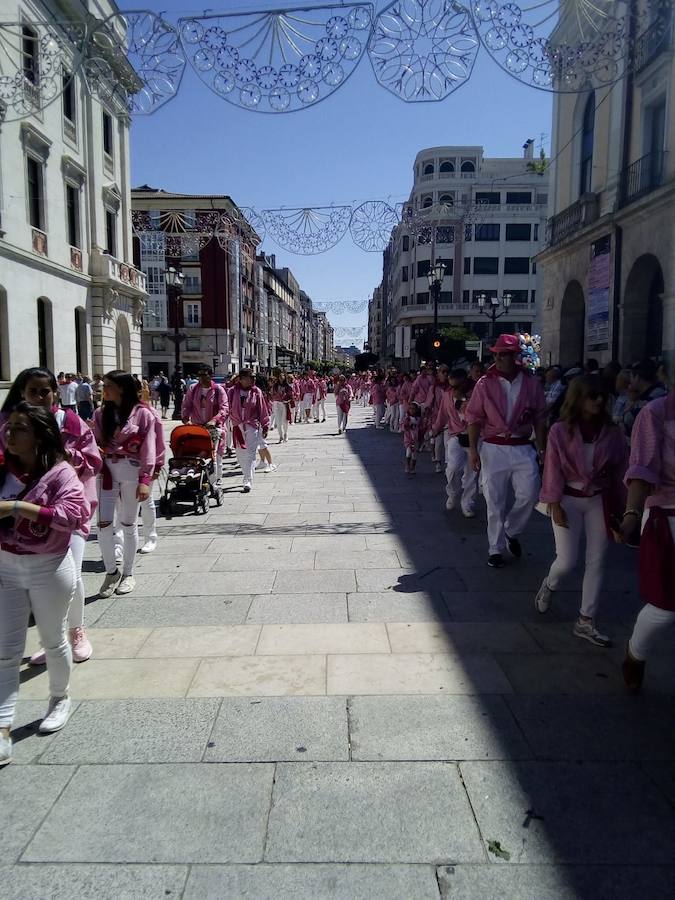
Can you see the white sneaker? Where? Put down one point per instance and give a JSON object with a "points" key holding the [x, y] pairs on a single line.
{"points": [[439, 467], [151, 545], [126, 585], [119, 554], [110, 583], [542, 601], [270, 468], [451, 502], [5, 750], [58, 713]]}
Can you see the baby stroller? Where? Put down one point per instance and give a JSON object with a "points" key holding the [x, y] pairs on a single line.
{"points": [[191, 470]]}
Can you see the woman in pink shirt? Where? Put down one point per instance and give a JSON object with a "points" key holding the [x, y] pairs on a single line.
{"points": [[125, 430], [378, 394], [343, 402], [585, 463], [42, 503]]}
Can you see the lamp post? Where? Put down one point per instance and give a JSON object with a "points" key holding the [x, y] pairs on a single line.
{"points": [[174, 289], [435, 276], [489, 306]]}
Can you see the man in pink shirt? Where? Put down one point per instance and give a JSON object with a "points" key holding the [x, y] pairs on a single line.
{"points": [[506, 406], [205, 403], [250, 419]]}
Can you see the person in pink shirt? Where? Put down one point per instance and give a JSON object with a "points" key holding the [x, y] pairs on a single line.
{"points": [[450, 423], [282, 402], [421, 385], [378, 394], [42, 502], [125, 430], [413, 435], [250, 419], [586, 458], [148, 511], [320, 401], [391, 415], [404, 391], [205, 403], [430, 408], [651, 500], [343, 402], [506, 407]]}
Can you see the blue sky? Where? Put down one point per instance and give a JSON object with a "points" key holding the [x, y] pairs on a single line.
{"points": [[359, 144]]}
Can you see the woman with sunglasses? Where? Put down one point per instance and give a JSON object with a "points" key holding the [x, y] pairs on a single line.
{"points": [[39, 387], [586, 459], [42, 503]]}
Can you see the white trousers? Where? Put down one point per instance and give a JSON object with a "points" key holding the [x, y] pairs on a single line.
{"points": [[76, 608], [342, 418], [585, 515], [320, 408], [307, 403], [458, 473], [437, 448], [44, 584], [401, 415], [246, 457], [228, 435], [122, 495], [280, 418], [394, 420], [504, 466], [652, 620], [378, 409], [149, 518]]}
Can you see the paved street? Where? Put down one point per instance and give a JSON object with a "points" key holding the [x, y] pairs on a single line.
{"points": [[320, 690]]}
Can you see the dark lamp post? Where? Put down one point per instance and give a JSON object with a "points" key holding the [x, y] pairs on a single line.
{"points": [[174, 289], [489, 306], [435, 276]]}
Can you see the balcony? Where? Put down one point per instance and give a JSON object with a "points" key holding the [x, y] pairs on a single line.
{"points": [[577, 216], [105, 266], [652, 42], [642, 177]]}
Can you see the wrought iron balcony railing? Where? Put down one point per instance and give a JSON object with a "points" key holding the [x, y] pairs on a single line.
{"points": [[642, 177], [569, 221], [653, 41]]}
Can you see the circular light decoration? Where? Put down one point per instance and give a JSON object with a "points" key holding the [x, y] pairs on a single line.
{"points": [[371, 225], [277, 61], [307, 231], [153, 51], [556, 45], [423, 50], [340, 306], [37, 61]]}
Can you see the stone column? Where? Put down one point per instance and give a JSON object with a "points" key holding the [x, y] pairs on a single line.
{"points": [[668, 303]]}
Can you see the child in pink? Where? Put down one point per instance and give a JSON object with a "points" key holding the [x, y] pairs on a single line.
{"points": [[412, 434]]}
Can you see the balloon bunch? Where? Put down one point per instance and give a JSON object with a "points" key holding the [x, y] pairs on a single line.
{"points": [[530, 348]]}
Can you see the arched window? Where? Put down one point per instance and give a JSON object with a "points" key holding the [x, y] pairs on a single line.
{"points": [[447, 166], [427, 202], [468, 166], [428, 168], [587, 129], [447, 200]]}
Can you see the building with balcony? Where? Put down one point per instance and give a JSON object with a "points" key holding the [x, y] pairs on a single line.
{"points": [[222, 311], [71, 297], [375, 321], [485, 218], [283, 312], [608, 269], [322, 338]]}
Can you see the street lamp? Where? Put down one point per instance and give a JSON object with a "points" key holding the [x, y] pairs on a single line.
{"points": [[435, 276], [488, 306], [174, 289]]}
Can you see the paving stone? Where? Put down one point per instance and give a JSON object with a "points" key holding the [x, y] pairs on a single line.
{"points": [[597, 728], [27, 793], [366, 812], [392, 606], [434, 727], [290, 520], [128, 813], [507, 606], [265, 561], [298, 608], [178, 611], [90, 882], [269, 676], [252, 582], [28, 744], [409, 580], [146, 585], [608, 813], [335, 544], [561, 674], [556, 882], [110, 679], [252, 544], [150, 563], [126, 731], [358, 559], [414, 673], [296, 881], [459, 637], [312, 581], [269, 729], [557, 637], [196, 641], [333, 638], [108, 643]]}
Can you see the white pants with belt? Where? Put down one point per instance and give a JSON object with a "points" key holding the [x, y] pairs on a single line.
{"points": [[585, 515], [281, 419], [122, 495], [246, 456], [459, 475], [503, 466], [378, 409], [44, 584]]}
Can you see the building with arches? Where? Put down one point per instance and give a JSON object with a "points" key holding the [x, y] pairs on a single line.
{"points": [[70, 295], [608, 270]]}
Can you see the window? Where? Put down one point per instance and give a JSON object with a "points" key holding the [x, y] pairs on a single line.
{"points": [[404, 273], [446, 297], [423, 267], [656, 140], [73, 215], [404, 301], [445, 234], [489, 232], [68, 97], [405, 243], [491, 198], [519, 197], [155, 279], [467, 265], [193, 344], [42, 315], [158, 343], [152, 247], [468, 232], [468, 166], [519, 296], [535, 236], [586, 161], [465, 296], [110, 232], [192, 284], [428, 168], [29, 54], [517, 265], [447, 166], [108, 134], [486, 265], [447, 199], [534, 267], [518, 232], [427, 202], [192, 313], [533, 296], [422, 298], [449, 265], [36, 206]]}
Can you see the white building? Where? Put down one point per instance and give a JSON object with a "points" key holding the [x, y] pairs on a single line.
{"points": [[489, 252], [70, 296]]}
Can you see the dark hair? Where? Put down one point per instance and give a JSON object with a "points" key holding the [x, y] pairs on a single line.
{"points": [[207, 369], [245, 373], [262, 383], [576, 393], [645, 369], [15, 395], [112, 415], [50, 449], [458, 374]]}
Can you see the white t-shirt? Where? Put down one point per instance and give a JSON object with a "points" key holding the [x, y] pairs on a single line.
{"points": [[511, 392], [68, 393]]}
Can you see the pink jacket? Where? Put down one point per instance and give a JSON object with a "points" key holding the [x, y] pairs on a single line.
{"points": [[160, 442], [343, 397], [404, 392], [420, 388], [254, 413], [449, 416], [487, 406], [378, 393], [434, 397], [65, 510], [322, 389], [564, 463], [136, 440], [392, 394], [215, 405], [652, 452], [412, 432]]}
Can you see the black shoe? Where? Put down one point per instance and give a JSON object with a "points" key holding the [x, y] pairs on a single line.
{"points": [[514, 547], [247, 488], [496, 561]]}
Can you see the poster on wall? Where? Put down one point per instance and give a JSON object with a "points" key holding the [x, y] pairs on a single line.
{"points": [[597, 319]]}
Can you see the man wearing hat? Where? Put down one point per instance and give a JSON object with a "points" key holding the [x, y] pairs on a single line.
{"points": [[506, 405]]}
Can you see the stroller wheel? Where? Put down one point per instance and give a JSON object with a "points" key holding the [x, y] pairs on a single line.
{"points": [[163, 505], [219, 497]]}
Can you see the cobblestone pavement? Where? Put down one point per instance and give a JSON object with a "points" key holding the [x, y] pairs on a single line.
{"points": [[320, 690]]}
